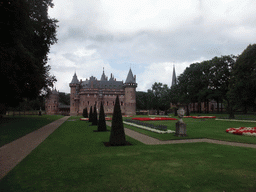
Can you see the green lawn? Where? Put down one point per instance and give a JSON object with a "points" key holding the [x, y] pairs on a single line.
{"points": [[74, 158], [202, 128], [14, 127]]}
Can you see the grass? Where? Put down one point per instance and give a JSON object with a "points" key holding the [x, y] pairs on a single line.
{"points": [[202, 128], [74, 158], [12, 128]]}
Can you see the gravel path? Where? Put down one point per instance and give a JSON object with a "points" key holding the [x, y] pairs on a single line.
{"points": [[13, 153], [153, 141]]}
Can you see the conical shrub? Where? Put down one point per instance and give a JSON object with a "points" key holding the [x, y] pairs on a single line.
{"points": [[117, 135], [102, 122], [90, 115], [85, 113], [95, 118]]}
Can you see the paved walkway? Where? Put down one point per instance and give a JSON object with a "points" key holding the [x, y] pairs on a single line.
{"points": [[13, 153], [153, 141]]}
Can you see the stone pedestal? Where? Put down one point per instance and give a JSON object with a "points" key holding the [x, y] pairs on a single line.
{"points": [[181, 130]]}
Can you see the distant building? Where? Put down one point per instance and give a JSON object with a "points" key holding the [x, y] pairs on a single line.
{"points": [[92, 92], [53, 106]]}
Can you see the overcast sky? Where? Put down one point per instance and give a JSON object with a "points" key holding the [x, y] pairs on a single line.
{"points": [[148, 36]]}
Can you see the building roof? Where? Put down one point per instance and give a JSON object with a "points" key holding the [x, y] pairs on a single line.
{"points": [[130, 78], [75, 80], [103, 76], [174, 80]]}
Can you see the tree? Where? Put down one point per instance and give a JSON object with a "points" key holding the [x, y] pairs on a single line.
{"points": [[102, 121], [117, 135], [90, 115], [160, 96], [29, 32], [242, 89]]}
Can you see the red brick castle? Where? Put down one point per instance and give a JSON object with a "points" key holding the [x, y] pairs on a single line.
{"points": [[92, 92]]}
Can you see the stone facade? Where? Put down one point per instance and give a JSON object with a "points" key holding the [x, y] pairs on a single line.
{"points": [[92, 92]]}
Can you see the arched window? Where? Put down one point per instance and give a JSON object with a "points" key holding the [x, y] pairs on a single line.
{"points": [[88, 102]]}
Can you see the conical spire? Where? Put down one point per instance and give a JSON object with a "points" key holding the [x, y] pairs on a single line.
{"points": [[103, 76], [75, 80], [130, 78], [174, 80]]}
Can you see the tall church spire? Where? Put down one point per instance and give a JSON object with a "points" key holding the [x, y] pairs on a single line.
{"points": [[174, 80]]}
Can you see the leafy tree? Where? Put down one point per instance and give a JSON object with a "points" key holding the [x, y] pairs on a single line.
{"points": [[242, 89], [141, 100], [102, 121], [160, 96], [64, 98], [28, 33], [117, 135]]}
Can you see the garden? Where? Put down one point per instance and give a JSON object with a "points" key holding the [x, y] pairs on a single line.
{"points": [[74, 158]]}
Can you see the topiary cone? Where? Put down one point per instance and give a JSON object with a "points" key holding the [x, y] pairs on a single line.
{"points": [[95, 118], [117, 135], [90, 115], [102, 122]]}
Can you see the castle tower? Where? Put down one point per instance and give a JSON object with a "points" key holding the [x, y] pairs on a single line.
{"points": [[174, 80], [52, 103], [130, 94], [74, 96]]}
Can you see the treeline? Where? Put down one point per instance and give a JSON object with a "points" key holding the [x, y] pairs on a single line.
{"points": [[230, 80]]}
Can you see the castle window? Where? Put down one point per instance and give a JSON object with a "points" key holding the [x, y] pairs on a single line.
{"points": [[113, 103], [107, 102], [94, 95], [122, 103], [88, 102]]}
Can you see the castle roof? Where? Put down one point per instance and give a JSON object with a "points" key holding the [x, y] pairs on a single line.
{"points": [[75, 80], [130, 78], [103, 76]]}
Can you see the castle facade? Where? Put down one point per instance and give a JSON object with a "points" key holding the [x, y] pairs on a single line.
{"points": [[92, 92]]}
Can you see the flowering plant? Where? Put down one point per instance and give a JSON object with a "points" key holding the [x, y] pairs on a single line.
{"points": [[153, 118], [248, 131]]}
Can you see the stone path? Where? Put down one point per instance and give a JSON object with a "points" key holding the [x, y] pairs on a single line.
{"points": [[13, 153], [153, 141]]}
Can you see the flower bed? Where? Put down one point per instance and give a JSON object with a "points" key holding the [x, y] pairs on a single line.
{"points": [[201, 117], [248, 131], [153, 118]]}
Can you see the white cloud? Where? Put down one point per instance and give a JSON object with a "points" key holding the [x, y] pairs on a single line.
{"points": [[146, 35]]}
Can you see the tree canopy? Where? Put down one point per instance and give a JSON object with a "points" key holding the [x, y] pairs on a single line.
{"points": [[24, 47]]}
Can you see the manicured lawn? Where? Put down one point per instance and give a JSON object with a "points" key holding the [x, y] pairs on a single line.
{"points": [[14, 127], [202, 128], [74, 158]]}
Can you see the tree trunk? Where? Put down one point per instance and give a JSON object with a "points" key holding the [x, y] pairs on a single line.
{"points": [[230, 111], [245, 109], [187, 112]]}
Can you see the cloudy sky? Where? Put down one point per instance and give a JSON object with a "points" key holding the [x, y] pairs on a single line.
{"points": [[148, 36]]}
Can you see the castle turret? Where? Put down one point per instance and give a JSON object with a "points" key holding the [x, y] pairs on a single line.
{"points": [[130, 94], [74, 96]]}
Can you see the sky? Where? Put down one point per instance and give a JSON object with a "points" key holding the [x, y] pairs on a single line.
{"points": [[148, 36]]}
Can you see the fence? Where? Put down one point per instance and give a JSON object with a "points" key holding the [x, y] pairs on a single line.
{"points": [[15, 113]]}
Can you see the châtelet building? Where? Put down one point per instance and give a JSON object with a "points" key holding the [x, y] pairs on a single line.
{"points": [[84, 94]]}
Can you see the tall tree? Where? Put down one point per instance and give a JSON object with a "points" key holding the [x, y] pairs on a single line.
{"points": [[29, 32], [94, 117], [90, 115], [243, 83]]}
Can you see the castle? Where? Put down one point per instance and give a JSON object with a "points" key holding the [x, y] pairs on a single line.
{"points": [[84, 94]]}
